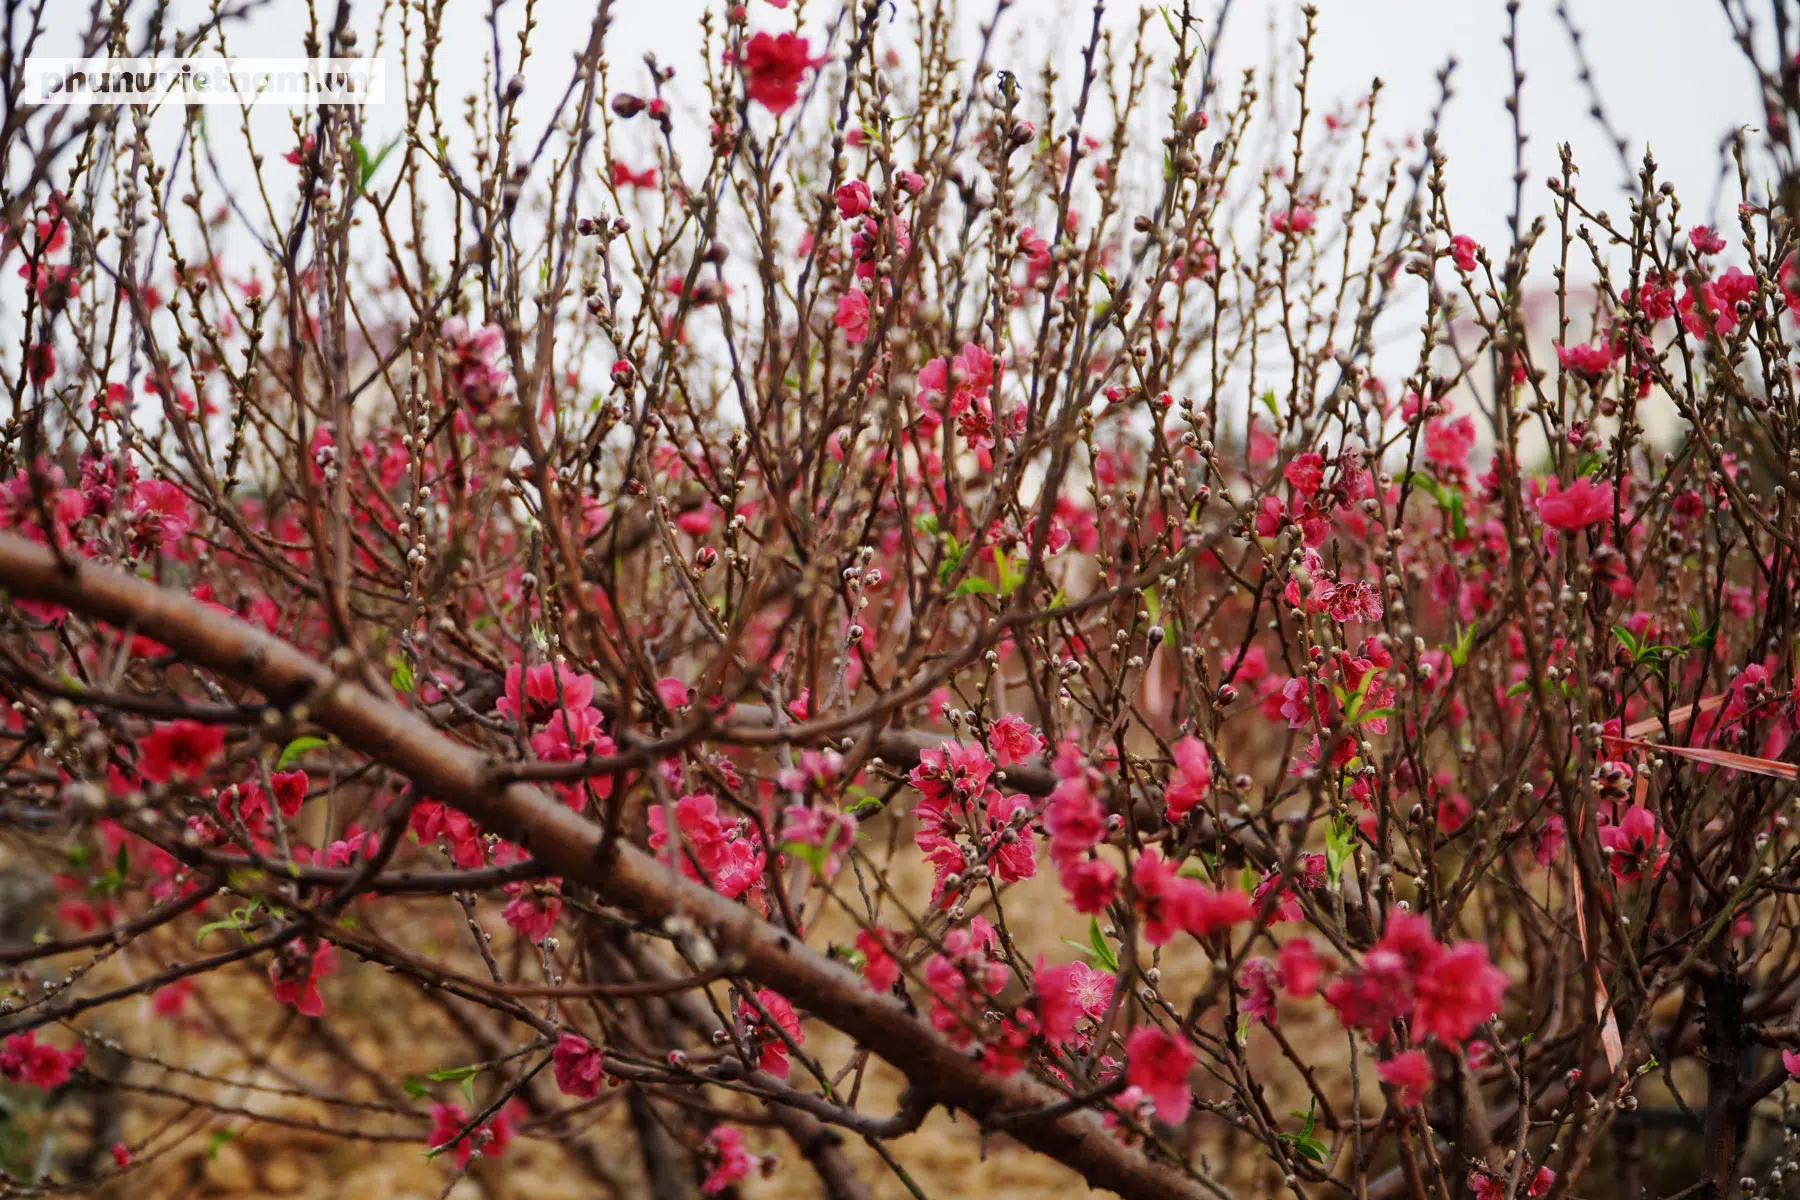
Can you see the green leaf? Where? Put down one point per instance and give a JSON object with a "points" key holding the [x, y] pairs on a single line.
{"points": [[1459, 653], [1340, 841], [953, 552], [1309, 1147], [1103, 953], [1304, 1143], [1426, 484], [1353, 713], [813, 856], [1010, 578], [239, 920], [1153, 605], [415, 1087], [212, 927], [402, 678], [859, 803], [1701, 637], [1519, 688], [1626, 640], [367, 166], [975, 585], [453, 1074], [294, 749], [219, 1138], [362, 162], [1268, 402]]}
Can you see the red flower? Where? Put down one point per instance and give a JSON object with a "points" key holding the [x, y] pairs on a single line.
{"points": [[447, 1121], [1158, 1065], [773, 68], [548, 689], [41, 361], [1204, 911], [290, 791], [1590, 362], [532, 916], [1381, 991], [731, 1162], [624, 176], [179, 751], [854, 199], [1448, 441], [1305, 473], [1636, 844], [1013, 740], [1091, 884], [1704, 240], [1298, 220], [1256, 980], [578, 1066], [1462, 250], [1073, 817], [1458, 992], [160, 511], [40, 1065], [1158, 887], [879, 967], [1058, 1007], [774, 1046], [1190, 779], [1298, 968], [1408, 1074], [295, 973], [852, 316], [1577, 506], [169, 1001]]}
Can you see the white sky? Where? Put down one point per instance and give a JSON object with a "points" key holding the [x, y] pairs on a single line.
{"points": [[1666, 68]]}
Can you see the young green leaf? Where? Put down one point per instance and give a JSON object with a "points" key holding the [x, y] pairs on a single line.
{"points": [[291, 752], [1103, 953], [1340, 841], [1459, 653]]}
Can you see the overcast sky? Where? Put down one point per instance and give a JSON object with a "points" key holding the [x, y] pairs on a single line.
{"points": [[1667, 69]]}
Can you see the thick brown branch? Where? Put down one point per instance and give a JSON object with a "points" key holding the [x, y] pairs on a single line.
{"points": [[457, 775]]}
